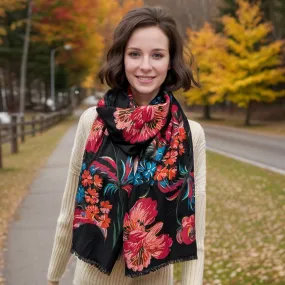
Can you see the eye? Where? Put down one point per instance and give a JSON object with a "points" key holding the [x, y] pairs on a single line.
{"points": [[157, 55], [134, 54]]}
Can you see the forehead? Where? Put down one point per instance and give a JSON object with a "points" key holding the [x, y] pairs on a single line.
{"points": [[148, 38]]}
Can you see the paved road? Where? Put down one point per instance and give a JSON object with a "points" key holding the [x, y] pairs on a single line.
{"points": [[31, 235], [261, 150]]}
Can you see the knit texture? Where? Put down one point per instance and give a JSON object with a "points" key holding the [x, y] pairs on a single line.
{"points": [[85, 274]]}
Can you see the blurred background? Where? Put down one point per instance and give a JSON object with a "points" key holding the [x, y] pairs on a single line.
{"points": [[50, 53]]}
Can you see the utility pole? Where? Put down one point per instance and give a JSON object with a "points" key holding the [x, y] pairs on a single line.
{"points": [[25, 58]]}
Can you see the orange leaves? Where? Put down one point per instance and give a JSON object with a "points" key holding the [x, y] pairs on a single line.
{"points": [[87, 25]]}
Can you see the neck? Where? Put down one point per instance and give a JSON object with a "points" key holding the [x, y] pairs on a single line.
{"points": [[143, 99]]}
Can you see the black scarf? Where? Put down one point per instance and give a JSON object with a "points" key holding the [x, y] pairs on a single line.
{"points": [[148, 214]]}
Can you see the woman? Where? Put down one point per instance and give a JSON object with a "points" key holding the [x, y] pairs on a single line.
{"points": [[134, 201]]}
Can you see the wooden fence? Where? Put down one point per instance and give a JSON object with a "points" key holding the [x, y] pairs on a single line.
{"points": [[19, 128]]}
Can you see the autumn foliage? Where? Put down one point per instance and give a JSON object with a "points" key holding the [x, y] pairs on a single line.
{"points": [[86, 25], [241, 65], [8, 6]]}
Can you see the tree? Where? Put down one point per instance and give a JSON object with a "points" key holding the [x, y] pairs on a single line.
{"points": [[8, 6], [257, 70], [272, 11], [210, 53]]}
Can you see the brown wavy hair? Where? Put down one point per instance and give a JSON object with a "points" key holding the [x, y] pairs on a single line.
{"points": [[180, 74]]}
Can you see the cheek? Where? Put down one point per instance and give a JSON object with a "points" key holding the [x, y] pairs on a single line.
{"points": [[162, 68], [129, 65]]}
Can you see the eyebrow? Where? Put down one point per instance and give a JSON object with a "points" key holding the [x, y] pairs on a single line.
{"points": [[155, 49]]}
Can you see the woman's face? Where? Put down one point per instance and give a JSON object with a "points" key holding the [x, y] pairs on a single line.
{"points": [[146, 60]]}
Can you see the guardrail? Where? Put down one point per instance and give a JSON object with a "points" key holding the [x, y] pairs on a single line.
{"points": [[19, 128]]}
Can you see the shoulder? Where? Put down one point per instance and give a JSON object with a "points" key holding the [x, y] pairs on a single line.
{"points": [[198, 134], [87, 118]]}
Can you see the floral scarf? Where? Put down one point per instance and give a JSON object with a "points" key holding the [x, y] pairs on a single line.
{"points": [[136, 187]]}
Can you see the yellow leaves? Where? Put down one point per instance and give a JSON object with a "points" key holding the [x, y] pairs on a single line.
{"points": [[17, 24], [209, 50], [241, 65], [2, 32]]}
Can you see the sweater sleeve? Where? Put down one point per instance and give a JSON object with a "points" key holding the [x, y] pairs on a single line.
{"points": [[63, 235], [192, 271]]}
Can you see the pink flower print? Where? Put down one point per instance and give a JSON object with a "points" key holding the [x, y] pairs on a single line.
{"points": [[141, 123], [95, 138], [141, 244], [143, 213], [186, 233]]}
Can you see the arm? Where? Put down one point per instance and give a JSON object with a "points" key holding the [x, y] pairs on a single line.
{"points": [[192, 271], [63, 236]]}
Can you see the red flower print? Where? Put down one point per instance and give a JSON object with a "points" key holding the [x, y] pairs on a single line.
{"points": [[174, 108], [186, 233], [106, 207], [141, 123], [92, 212], [141, 244], [86, 178], [168, 132], [172, 173], [98, 181], [174, 143], [95, 138], [93, 199], [170, 157], [181, 149], [182, 134], [161, 173], [104, 221], [92, 192]]}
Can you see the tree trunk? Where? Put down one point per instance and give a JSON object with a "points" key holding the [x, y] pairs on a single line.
{"points": [[24, 59], [248, 114], [206, 112]]}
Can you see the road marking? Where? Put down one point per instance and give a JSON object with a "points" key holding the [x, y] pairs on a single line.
{"points": [[258, 164]]}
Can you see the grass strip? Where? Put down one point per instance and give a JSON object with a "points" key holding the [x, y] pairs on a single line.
{"points": [[245, 238]]}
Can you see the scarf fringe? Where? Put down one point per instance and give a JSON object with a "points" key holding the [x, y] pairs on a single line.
{"points": [[137, 274], [91, 262], [153, 269]]}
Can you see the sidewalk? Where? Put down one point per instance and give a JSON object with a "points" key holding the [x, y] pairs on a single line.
{"points": [[31, 235]]}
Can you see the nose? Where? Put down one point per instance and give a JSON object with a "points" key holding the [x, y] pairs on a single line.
{"points": [[145, 64]]}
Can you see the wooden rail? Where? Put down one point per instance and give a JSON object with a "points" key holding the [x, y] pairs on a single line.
{"points": [[19, 128]]}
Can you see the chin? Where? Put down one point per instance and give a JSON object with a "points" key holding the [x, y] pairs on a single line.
{"points": [[145, 89]]}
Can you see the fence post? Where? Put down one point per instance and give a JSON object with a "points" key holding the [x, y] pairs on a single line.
{"points": [[14, 135], [41, 124], [33, 124], [22, 129], [1, 161]]}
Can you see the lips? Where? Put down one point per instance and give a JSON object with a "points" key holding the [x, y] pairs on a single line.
{"points": [[145, 79]]}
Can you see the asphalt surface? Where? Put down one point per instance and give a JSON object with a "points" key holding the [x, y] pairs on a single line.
{"points": [[261, 150], [31, 235]]}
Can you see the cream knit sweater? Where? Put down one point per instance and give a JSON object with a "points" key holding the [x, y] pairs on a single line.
{"points": [[85, 274]]}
